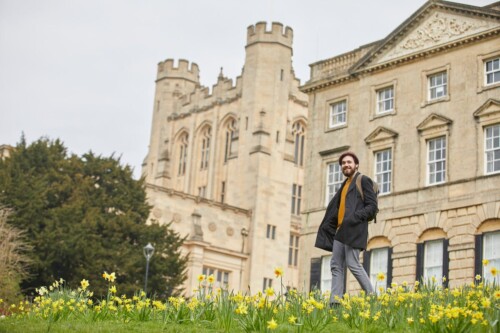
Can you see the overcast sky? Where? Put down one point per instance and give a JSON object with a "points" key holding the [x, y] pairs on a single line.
{"points": [[83, 71]]}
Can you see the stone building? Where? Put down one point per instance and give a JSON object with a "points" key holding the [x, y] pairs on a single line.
{"points": [[225, 167], [421, 108], [5, 151]]}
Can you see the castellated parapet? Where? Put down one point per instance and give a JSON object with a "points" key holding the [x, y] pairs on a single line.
{"points": [[258, 34], [166, 69], [201, 100]]}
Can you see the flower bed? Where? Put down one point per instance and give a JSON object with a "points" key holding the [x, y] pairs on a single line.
{"points": [[401, 308]]}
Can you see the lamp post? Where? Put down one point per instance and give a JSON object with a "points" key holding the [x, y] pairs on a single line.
{"points": [[148, 253]]}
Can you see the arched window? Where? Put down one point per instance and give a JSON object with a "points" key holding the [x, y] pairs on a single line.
{"points": [[230, 136], [206, 135], [487, 254], [298, 132], [433, 257], [183, 145]]}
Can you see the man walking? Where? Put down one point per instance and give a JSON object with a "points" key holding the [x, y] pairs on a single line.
{"points": [[346, 225]]}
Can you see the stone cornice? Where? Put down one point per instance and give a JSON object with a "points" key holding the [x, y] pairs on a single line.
{"points": [[197, 199], [318, 85], [333, 150], [421, 208], [484, 109], [427, 52], [362, 66], [196, 109], [420, 15], [209, 247], [294, 99]]}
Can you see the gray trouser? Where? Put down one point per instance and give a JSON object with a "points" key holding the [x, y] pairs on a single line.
{"points": [[342, 254]]}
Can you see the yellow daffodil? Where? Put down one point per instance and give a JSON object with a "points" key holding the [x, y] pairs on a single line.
{"points": [[84, 283], [113, 289], [269, 291], [494, 271], [478, 277], [278, 271], [380, 276], [485, 262], [211, 279], [201, 277], [242, 309], [292, 319], [272, 324], [112, 277]]}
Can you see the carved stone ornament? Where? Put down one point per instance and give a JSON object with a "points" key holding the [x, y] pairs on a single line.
{"points": [[229, 231], [212, 227], [177, 218], [157, 213], [439, 28]]}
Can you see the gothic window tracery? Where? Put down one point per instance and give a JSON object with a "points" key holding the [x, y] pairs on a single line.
{"points": [[230, 137], [183, 146], [206, 136], [299, 132]]}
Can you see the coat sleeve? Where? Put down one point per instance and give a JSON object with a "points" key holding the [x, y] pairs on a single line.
{"points": [[370, 200], [326, 231]]}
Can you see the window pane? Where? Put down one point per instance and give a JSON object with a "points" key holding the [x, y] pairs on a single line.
{"points": [[326, 273], [433, 261], [385, 100], [383, 170], [492, 71], [338, 113], [436, 164], [492, 148], [491, 252], [378, 264], [438, 85], [334, 180]]}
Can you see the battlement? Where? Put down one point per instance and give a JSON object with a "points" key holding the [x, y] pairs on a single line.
{"points": [[259, 33], [166, 69]]}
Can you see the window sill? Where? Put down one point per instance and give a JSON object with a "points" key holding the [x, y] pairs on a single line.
{"points": [[383, 114], [334, 128], [488, 87], [434, 101]]}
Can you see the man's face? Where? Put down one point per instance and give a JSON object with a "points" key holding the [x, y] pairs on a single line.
{"points": [[348, 166]]}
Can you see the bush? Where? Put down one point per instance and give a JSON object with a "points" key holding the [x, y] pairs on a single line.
{"points": [[13, 259]]}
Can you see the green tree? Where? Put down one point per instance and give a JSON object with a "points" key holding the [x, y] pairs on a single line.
{"points": [[85, 215]]}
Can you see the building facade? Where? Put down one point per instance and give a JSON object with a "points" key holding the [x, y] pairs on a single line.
{"points": [[225, 167], [421, 108], [5, 151]]}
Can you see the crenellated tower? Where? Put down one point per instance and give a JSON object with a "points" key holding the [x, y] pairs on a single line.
{"points": [[173, 86], [221, 165]]}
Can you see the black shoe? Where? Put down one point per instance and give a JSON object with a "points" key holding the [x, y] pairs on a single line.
{"points": [[334, 305]]}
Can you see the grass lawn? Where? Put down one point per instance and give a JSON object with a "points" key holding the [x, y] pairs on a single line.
{"points": [[11, 325]]}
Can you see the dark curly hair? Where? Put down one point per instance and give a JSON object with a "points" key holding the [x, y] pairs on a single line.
{"points": [[349, 153]]}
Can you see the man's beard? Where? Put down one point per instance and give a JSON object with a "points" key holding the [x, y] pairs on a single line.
{"points": [[348, 172]]}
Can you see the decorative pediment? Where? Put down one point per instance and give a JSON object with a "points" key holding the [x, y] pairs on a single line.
{"points": [[379, 134], [435, 26], [490, 108], [434, 121]]}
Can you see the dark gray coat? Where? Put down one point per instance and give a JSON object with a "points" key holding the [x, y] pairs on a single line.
{"points": [[354, 229]]}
